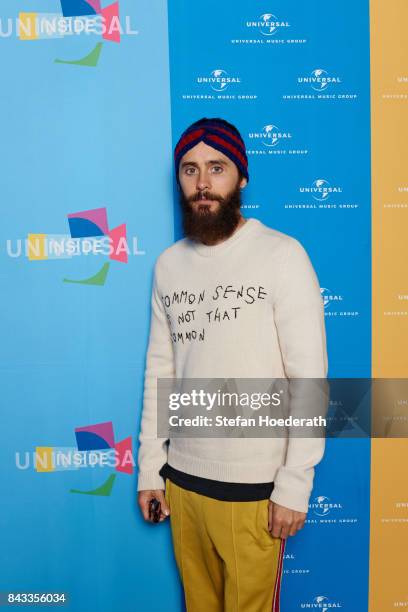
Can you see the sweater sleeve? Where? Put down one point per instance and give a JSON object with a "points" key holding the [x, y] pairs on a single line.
{"points": [[159, 364], [299, 319]]}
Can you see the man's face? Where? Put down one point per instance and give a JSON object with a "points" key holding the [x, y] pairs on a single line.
{"points": [[210, 193]]}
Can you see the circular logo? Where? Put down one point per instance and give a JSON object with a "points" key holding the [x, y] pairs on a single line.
{"points": [[271, 132], [268, 24], [322, 84], [220, 84], [322, 186]]}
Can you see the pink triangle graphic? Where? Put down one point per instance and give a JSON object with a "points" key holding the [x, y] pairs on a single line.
{"points": [[124, 452], [111, 17], [119, 253]]}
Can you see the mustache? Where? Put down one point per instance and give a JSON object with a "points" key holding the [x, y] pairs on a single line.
{"points": [[208, 196]]}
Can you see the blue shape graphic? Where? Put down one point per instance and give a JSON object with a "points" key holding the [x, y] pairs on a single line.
{"points": [[83, 228], [87, 440], [76, 8]]}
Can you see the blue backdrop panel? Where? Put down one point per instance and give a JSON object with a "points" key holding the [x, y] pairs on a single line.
{"points": [[294, 78], [77, 138]]}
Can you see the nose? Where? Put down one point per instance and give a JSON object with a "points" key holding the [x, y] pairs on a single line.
{"points": [[203, 180]]}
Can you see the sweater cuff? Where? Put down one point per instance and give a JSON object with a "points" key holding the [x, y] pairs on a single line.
{"points": [[292, 488], [148, 481]]}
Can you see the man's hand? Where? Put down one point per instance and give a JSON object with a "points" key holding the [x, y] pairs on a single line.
{"points": [[144, 498], [284, 521]]}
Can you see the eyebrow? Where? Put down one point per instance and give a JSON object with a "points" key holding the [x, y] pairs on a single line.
{"points": [[212, 161]]}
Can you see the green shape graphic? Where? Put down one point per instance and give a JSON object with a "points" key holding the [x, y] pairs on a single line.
{"points": [[98, 279], [90, 60], [104, 490]]}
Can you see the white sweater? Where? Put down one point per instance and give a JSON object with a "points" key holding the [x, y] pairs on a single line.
{"points": [[274, 328]]}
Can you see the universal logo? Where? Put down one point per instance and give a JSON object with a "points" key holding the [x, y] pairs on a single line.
{"points": [[322, 603], [319, 80], [268, 24], [219, 80], [320, 190], [273, 140], [322, 506], [270, 135], [268, 30]]}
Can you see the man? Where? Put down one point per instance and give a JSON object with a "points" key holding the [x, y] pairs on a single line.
{"points": [[254, 311]]}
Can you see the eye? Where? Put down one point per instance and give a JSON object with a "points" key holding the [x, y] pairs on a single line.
{"points": [[217, 169], [190, 170]]}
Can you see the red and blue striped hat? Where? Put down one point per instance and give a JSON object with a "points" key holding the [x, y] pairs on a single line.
{"points": [[216, 133]]}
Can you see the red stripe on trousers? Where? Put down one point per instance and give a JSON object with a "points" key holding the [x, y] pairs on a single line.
{"points": [[276, 591]]}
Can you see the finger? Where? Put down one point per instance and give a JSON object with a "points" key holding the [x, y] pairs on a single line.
{"points": [[285, 532], [293, 530], [276, 529], [144, 506], [164, 507], [270, 516], [163, 515], [144, 503]]}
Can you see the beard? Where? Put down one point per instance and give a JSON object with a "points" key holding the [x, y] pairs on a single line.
{"points": [[206, 226]]}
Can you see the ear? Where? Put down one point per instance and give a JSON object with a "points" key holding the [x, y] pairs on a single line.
{"points": [[243, 183]]}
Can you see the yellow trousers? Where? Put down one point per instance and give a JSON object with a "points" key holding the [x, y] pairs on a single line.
{"points": [[227, 559]]}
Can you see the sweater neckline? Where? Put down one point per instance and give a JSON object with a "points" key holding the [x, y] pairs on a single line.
{"points": [[221, 247]]}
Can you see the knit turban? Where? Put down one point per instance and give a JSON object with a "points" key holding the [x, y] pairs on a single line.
{"points": [[218, 134]]}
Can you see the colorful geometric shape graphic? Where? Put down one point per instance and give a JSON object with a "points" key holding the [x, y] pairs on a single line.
{"points": [[43, 459], [81, 228], [112, 25], [77, 8], [87, 223], [90, 60], [118, 237], [36, 246], [86, 228], [28, 26], [104, 490], [96, 5], [90, 438], [95, 437], [98, 279], [34, 26], [124, 451]]}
